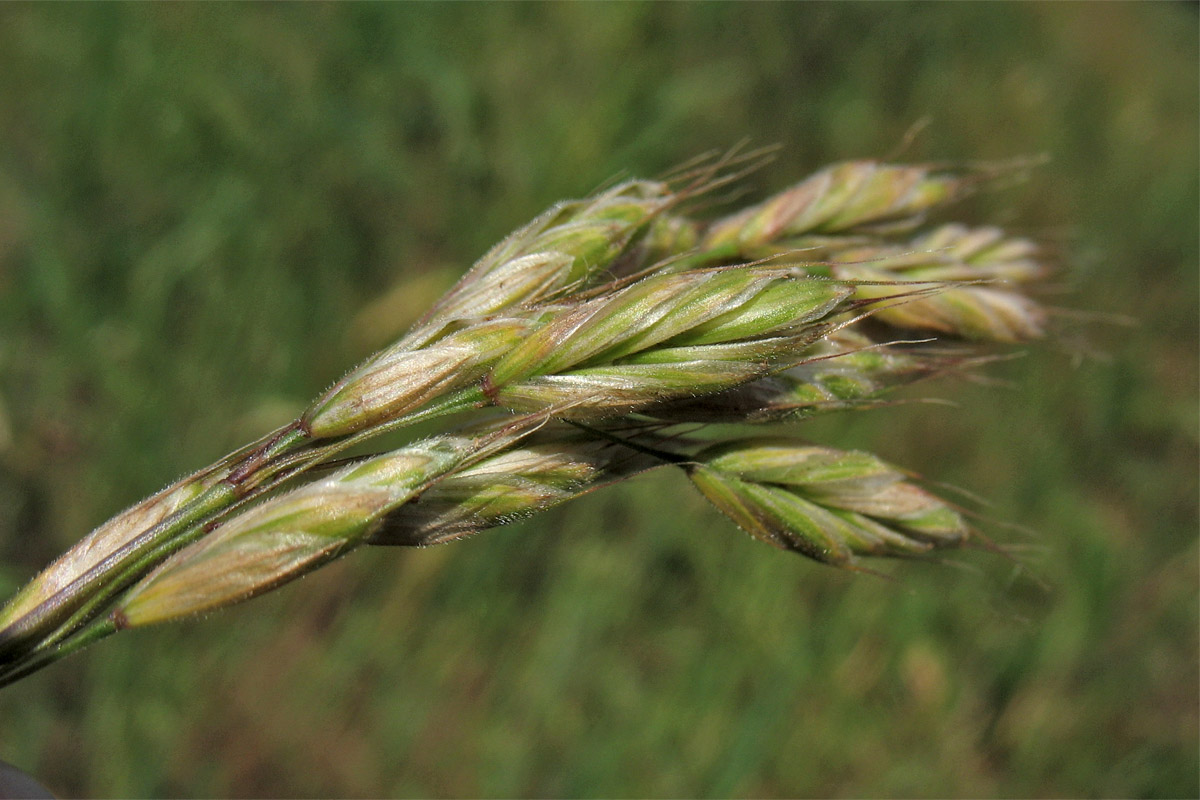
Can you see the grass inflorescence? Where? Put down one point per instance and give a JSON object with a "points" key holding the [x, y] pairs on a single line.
{"points": [[599, 341]]}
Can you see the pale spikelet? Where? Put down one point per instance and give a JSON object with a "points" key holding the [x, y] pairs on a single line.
{"points": [[949, 253], [103, 542], [848, 479], [629, 386], [91, 572], [292, 534], [399, 381], [840, 198], [563, 248], [979, 313], [991, 309], [986, 253], [828, 504], [633, 319], [508, 487], [841, 371], [669, 335]]}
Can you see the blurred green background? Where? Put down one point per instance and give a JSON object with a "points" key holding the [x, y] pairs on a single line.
{"points": [[209, 212]]}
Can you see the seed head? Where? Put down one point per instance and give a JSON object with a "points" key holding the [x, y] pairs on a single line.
{"points": [[575, 317]]}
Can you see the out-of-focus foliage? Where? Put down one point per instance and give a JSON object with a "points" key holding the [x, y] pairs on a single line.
{"points": [[208, 211]]}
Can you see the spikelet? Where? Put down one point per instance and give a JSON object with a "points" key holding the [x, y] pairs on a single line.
{"points": [[562, 249], [849, 197], [509, 486], [665, 337], [294, 533], [827, 504]]}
